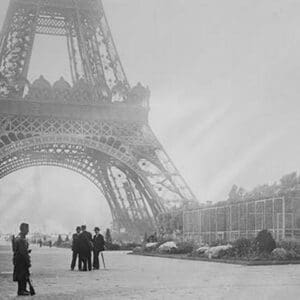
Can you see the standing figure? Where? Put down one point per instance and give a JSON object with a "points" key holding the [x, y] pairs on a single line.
{"points": [[85, 248], [21, 260], [99, 243], [75, 249]]}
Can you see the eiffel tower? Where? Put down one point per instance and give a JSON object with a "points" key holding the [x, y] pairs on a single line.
{"points": [[96, 125]]}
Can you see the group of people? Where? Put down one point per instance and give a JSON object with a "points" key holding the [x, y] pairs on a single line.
{"points": [[83, 245]]}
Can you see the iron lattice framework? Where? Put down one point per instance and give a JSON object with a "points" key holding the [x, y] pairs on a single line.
{"points": [[96, 126]]}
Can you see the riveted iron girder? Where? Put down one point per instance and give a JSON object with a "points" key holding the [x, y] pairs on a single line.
{"points": [[98, 126]]}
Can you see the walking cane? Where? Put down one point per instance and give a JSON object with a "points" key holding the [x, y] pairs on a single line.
{"points": [[31, 288], [103, 260]]}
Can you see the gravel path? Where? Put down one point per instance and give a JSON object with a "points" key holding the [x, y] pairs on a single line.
{"points": [[139, 277]]}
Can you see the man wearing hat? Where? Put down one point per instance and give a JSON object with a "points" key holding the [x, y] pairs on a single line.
{"points": [[21, 260], [99, 244], [76, 249], [85, 248]]}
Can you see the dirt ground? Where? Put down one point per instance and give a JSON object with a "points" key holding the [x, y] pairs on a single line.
{"points": [[138, 277]]}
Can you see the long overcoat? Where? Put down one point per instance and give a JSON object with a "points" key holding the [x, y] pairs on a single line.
{"points": [[98, 242], [85, 244], [21, 259]]}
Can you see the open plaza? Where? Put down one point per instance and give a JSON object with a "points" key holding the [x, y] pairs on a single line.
{"points": [[140, 277]]}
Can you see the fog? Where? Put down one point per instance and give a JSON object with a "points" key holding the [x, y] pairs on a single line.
{"points": [[224, 77]]}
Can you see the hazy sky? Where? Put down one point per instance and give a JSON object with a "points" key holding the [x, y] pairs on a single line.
{"points": [[224, 77]]}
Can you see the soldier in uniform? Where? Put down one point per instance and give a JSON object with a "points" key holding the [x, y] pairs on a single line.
{"points": [[99, 243], [75, 249], [21, 260]]}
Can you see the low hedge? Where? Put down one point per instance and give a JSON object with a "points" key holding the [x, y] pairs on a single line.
{"points": [[258, 249]]}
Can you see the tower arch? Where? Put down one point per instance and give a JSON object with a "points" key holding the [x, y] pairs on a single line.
{"points": [[131, 207], [96, 125]]}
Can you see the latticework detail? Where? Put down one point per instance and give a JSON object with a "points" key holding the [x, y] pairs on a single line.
{"points": [[82, 126]]}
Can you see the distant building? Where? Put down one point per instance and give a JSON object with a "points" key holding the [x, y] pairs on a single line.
{"points": [[232, 220]]}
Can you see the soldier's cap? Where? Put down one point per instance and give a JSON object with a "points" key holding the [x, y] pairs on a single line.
{"points": [[24, 226]]}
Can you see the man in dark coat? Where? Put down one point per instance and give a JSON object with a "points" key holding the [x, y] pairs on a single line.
{"points": [[75, 249], [21, 260], [99, 243], [85, 248]]}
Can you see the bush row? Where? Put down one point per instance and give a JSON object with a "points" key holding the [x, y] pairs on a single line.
{"points": [[263, 247], [177, 248]]}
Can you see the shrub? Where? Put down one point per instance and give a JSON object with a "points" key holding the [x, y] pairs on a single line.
{"points": [[261, 256], [168, 247], [150, 247], [67, 244], [137, 250], [291, 254], [217, 251], [227, 253], [130, 246], [108, 238], [112, 246], [279, 254], [201, 250], [290, 245], [242, 247], [184, 247], [59, 241], [264, 242], [63, 244]]}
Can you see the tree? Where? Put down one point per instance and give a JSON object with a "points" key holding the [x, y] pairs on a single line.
{"points": [[145, 238], [59, 240], [233, 194], [241, 193], [289, 181], [264, 242], [108, 238], [67, 239]]}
